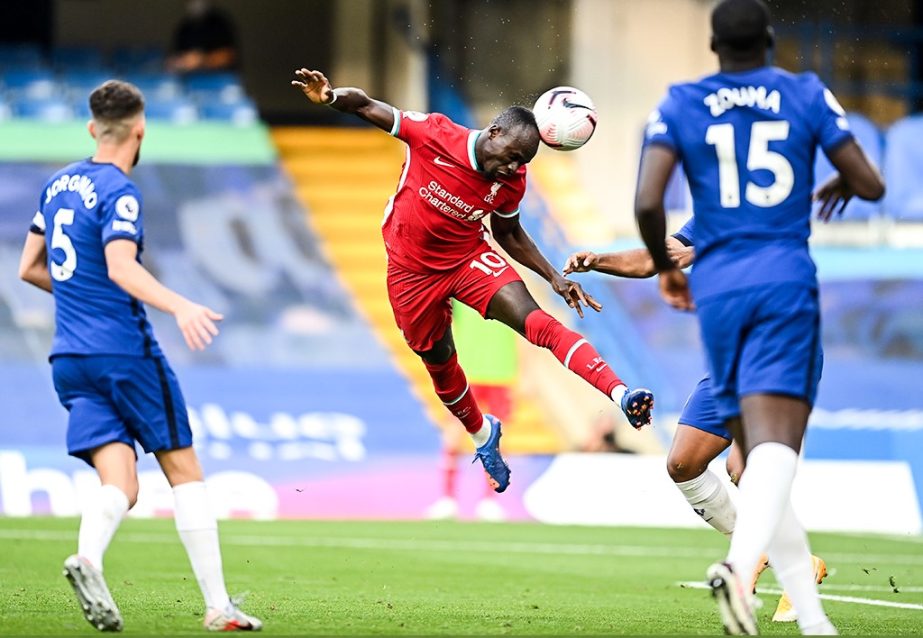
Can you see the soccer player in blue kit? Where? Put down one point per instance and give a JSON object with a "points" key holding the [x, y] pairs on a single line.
{"points": [[84, 248], [701, 434], [746, 138]]}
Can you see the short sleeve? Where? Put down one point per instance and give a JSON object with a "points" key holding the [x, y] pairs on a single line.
{"points": [[122, 216], [510, 205], [686, 234], [661, 125], [828, 119], [413, 127], [38, 223]]}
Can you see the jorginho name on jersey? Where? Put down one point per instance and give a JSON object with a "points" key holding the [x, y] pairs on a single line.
{"points": [[433, 221], [82, 208], [747, 143]]}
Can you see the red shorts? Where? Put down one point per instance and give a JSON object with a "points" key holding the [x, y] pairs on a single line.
{"points": [[422, 301]]}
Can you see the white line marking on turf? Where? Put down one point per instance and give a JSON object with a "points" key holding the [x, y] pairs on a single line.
{"points": [[833, 597], [416, 545]]}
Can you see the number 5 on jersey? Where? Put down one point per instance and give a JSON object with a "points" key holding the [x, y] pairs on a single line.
{"points": [[759, 157], [64, 271]]}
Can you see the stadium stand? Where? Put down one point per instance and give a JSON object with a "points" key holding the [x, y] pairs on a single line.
{"points": [[902, 160]]}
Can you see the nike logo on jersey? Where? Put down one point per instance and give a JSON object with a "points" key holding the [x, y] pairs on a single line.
{"points": [[438, 161], [497, 273]]}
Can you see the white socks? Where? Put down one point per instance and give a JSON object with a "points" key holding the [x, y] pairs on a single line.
{"points": [[766, 521], [618, 392], [791, 561], [100, 519], [480, 437], [710, 499], [764, 493], [198, 530]]}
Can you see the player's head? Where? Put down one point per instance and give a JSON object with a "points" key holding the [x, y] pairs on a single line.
{"points": [[511, 141], [741, 30], [118, 115]]}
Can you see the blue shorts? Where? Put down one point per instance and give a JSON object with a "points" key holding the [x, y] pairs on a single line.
{"points": [[701, 411], [762, 341], [120, 399]]}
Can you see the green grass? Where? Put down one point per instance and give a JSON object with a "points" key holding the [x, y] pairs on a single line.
{"points": [[436, 578]]}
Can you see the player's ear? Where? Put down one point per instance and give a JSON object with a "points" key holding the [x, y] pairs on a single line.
{"points": [[713, 43], [91, 127], [494, 130], [770, 37]]}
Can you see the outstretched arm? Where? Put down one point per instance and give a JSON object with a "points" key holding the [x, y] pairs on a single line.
{"points": [[33, 264], [635, 263], [317, 88], [657, 163], [197, 323], [514, 239]]}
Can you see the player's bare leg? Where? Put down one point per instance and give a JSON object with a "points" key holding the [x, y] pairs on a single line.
{"points": [[115, 464], [198, 530], [515, 306], [772, 431], [453, 390], [687, 464]]}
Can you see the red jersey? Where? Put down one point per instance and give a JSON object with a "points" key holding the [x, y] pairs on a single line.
{"points": [[433, 222]]}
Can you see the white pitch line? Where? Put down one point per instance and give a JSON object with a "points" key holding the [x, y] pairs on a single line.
{"points": [[397, 544], [840, 599]]}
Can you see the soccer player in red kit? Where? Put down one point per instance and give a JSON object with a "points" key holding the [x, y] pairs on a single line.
{"points": [[435, 241]]}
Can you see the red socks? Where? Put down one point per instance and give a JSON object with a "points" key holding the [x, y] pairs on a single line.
{"points": [[452, 389], [575, 352]]}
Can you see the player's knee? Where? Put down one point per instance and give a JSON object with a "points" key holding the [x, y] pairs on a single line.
{"points": [[131, 491], [679, 470]]}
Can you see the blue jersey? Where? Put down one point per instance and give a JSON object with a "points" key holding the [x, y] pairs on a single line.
{"points": [[747, 142], [83, 207]]}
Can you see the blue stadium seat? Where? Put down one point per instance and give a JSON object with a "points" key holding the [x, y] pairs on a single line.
{"points": [[51, 110], [30, 83], [77, 58], [157, 86], [176, 111], [21, 56], [869, 137], [211, 87], [902, 162], [6, 111], [135, 60], [242, 113], [81, 83]]}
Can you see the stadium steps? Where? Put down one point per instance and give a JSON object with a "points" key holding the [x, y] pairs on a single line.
{"points": [[344, 177]]}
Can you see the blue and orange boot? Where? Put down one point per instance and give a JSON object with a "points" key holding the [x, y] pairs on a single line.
{"points": [[498, 472]]}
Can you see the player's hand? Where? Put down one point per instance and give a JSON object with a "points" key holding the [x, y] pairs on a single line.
{"points": [[314, 85], [583, 261], [574, 295], [674, 288], [680, 255], [833, 196], [197, 323]]}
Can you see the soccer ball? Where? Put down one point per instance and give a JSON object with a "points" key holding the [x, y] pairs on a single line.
{"points": [[566, 117]]}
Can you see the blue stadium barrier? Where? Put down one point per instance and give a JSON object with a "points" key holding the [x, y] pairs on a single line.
{"points": [[871, 140], [157, 86], [902, 161], [80, 83]]}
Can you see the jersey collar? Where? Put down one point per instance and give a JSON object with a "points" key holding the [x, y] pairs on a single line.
{"points": [[472, 158]]}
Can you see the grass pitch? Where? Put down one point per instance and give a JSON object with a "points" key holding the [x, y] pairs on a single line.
{"points": [[421, 578]]}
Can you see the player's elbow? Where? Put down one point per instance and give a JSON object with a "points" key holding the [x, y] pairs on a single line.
{"points": [[117, 272], [873, 190]]}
